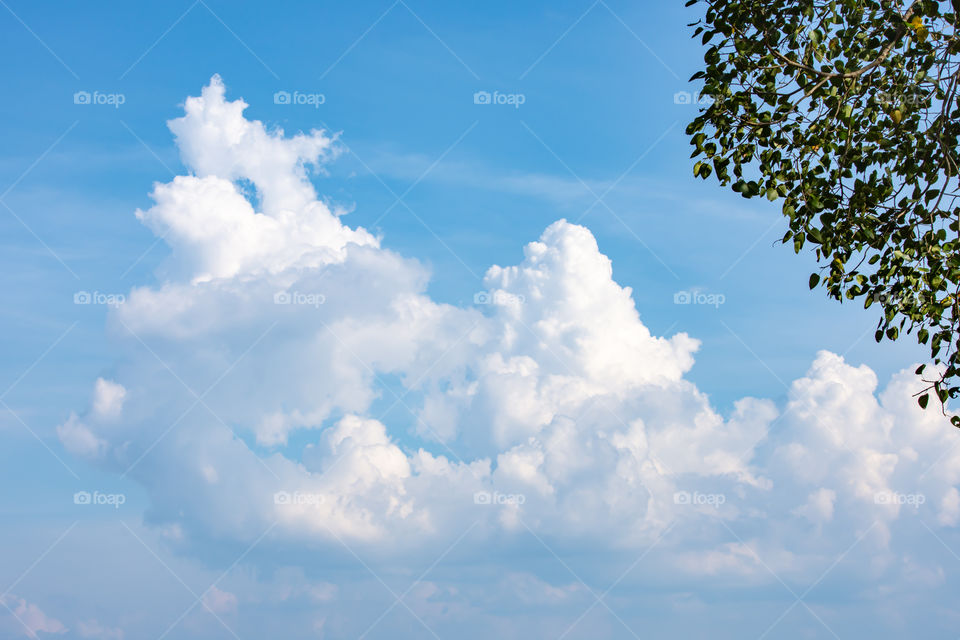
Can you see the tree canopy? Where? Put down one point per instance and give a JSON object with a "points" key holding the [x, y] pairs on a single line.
{"points": [[846, 112]]}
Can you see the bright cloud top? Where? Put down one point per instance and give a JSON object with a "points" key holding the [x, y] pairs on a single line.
{"points": [[246, 393], [207, 216]]}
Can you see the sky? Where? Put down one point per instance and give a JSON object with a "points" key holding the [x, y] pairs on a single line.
{"points": [[409, 320]]}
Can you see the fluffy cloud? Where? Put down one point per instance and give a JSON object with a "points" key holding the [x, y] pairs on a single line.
{"points": [[256, 371], [79, 440], [108, 398], [213, 227], [106, 406]]}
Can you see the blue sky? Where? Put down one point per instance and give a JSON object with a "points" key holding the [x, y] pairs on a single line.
{"points": [[537, 395]]}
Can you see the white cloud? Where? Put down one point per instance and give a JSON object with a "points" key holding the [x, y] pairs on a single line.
{"points": [[106, 405], [214, 230], [108, 398], [30, 619], [79, 440], [219, 601], [819, 506], [950, 508], [553, 408]]}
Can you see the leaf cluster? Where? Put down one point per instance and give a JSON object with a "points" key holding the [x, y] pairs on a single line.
{"points": [[845, 111]]}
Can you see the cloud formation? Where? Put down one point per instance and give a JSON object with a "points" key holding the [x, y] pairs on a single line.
{"points": [[256, 370]]}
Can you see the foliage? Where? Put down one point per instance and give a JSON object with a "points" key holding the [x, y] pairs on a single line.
{"points": [[846, 111]]}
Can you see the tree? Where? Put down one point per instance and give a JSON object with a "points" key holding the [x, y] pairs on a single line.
{"points": [[846, 111]]}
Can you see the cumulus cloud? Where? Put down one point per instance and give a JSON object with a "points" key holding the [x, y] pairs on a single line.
{"points": [[213, 227], [550, 407]]}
